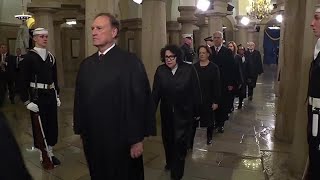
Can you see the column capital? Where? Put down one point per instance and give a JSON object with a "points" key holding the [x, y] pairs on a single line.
{"points": [[187, 14], [58, 22], [173, 26], [131, 24], [40, 7], [202, 20], [214, 13]]}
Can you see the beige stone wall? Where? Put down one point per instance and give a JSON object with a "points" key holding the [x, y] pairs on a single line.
{"points": [[70, 65], [8, 31]]}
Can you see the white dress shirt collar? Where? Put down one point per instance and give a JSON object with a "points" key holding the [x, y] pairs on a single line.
{"points": [[317, 49], [107, 50], [174, 70]]}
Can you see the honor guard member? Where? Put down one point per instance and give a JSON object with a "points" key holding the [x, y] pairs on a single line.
{"points": [[209, 41], [40, 90], [188, 53]]}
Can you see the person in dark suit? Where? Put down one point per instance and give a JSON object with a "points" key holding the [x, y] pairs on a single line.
{"points": [[17, 60], [254, 68], [241, 64], [13, 167], [224, 58]]}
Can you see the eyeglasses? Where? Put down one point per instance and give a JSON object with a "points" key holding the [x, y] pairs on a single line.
{"points": [[172, 57]]}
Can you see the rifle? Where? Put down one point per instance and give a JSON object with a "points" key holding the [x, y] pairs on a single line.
{"points": [[39, 136]]}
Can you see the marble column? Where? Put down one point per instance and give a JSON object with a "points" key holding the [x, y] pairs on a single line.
{"points": [[252, 35], [58, 54], [291, 122], [134, 25], [187, 19], [173, 28], [43, 13], [203, 28], [94, 7], [216, 14], [154, 34]]}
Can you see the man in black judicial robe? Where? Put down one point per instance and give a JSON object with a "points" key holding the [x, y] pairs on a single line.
{"points": [[224, 58], [313, 133], [112, 108], [254, 67]]}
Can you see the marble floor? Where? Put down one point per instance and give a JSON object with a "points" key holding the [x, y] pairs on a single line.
{"points": [[246, 151]]}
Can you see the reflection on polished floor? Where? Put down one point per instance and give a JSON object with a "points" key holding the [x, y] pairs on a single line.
{"points": [[246, 151]]}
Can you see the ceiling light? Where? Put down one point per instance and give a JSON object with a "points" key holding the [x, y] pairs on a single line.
{"points": [[245, 21], [137, 1], [203, 5], [71, 21], [279, 18]]}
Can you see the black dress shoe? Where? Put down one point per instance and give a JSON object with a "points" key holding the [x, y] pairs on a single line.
{"points": [[209, 142], [55, 161], [240, 106], [221, 130]]}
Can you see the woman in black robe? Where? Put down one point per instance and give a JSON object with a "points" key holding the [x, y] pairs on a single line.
{"points": [[241, 62], [177, 87], [209, 77]]}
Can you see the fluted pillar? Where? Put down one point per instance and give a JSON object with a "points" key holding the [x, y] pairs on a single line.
{"points": [[174, 29], [187, 19], [252, 35], [154, 34], [94, 7], [241, 32]]}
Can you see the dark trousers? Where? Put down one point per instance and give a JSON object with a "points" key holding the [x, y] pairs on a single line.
{"points": [[3, 90], [47, 104], [210, 129], [314, 161], [11, 88], [175, 151], [252, 85]]}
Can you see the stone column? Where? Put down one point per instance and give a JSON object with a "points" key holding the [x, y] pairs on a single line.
{"points": [[187, 19], [216, 14], [241, 32], [43, 13], [154, 34], [203, 28], [252, 35], [291, 122], [94, 7], [58, 54], [173, 28]]}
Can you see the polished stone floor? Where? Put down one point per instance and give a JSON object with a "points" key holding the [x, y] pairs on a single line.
{"points": [[246, 151]]}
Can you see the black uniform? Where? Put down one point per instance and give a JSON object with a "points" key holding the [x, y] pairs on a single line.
{"points": [[254, 69], [35, 70], [242, 76], [18, 60], [225, 61], [7, 79], [209, 77], [179, 95], [188, 53], [12, 72], [314, 110], [113, 111]]}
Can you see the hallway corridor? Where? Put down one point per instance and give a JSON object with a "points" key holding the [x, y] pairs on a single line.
{"points": [[247, 150]]}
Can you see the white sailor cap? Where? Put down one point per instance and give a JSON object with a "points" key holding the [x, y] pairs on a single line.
{"points": [[38, 31], [187, 36], [317, 8]]}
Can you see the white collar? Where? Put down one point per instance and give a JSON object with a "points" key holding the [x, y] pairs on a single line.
{"points": [[42, 52], [107, 50], [219, 47], [174, 70], [317, 49]]}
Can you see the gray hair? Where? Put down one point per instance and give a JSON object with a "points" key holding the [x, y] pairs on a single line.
{"points": [[218, 32]]}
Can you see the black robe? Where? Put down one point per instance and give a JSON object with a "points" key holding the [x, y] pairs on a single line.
{"points": [[242, 75], [12, 166], [209, 77], [112, 111], [254, 66]]}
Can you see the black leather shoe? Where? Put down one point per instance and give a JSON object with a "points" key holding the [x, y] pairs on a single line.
{"points": [[209, 142], [55, 161], [220, 130]]}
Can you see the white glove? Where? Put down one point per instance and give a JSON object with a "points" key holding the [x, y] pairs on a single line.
{"points": [[58, 102], [33, 107]]}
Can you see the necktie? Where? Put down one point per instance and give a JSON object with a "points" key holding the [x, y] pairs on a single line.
{"points": [[217, 50], [100, 56], [17, 62]]}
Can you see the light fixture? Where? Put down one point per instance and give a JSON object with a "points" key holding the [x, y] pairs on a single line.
{"points": [[259, 9], [137, 1], [203, 5], [71, 21], [274, 27], [23, 17], [279, 18], [245, 21]]}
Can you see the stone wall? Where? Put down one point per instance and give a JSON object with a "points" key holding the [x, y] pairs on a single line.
{"points": [[8, 32]]}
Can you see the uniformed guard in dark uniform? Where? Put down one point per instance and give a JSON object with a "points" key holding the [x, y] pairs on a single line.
{"points": [[188, 53], [39, 89], [314, 105], [209, 41]]}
